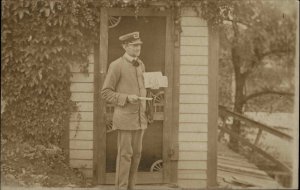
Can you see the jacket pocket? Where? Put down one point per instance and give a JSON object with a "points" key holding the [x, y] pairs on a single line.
{"points": [[130, 108]]}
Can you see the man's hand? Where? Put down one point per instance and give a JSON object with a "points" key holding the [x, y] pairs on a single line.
{"points": [[133, 99]]}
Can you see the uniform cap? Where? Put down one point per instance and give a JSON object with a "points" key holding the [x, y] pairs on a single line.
{"points": [[131, 38]]}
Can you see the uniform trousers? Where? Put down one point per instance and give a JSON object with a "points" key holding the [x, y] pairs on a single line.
{"points": [[128, 159]]}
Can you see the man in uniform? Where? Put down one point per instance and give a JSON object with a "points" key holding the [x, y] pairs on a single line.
{"points": [[123, 87]]}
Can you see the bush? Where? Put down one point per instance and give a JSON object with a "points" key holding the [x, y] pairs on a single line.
{"points": [[25, 164]]}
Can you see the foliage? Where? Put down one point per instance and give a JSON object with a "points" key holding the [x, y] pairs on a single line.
{"points": [[40, 42], [258, 50], [225, 79], [25, 165], [258, 44]]}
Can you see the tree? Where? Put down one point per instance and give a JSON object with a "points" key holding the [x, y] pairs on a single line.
{"points": [[257, 36]]}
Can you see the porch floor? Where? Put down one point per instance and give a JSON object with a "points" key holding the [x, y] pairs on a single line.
{"points": [[234, 171]]}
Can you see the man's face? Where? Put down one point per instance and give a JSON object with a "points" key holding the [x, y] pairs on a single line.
{"points": [[133, 50]]}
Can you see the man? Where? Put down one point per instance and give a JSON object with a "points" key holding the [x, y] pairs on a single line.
{"points": [[123, 87]]}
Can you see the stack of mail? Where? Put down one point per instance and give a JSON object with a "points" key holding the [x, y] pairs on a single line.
{"points": [[155, 80]]}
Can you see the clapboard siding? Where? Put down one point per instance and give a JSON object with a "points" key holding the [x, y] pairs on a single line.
{"points": [[81, 154], [192, 127], [193, 146], [77, 69], [192, 137], [82, 116], [82, 145], [193, 98], [81, 121], [81, 164], [192, 165], [193, 89], [187, 155], [85, 106], [193, 79], [193, 50], [81, 125], [192, 118], [193, 60], [81, 135], [82, 77], [193, 70], [193, 21], [82, 87], [193, 101], [194, 31], [82, 97], [193, 108], [193, 183], [194, 41], [192, 174]]}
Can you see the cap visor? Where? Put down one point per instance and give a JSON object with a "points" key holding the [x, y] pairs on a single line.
{"points": [[136, 42]]}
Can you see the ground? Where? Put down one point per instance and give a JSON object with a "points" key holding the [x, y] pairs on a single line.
{"points": [[144, 187], [24, 165]]}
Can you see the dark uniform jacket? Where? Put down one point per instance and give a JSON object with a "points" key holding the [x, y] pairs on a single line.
{"points": [[124, 79]]}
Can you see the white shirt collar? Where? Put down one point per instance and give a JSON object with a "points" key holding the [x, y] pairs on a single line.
{"points": [[129, 58]]}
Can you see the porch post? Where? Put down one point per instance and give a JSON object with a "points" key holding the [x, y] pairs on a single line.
{"points": [[213, 61], [99, 124]]}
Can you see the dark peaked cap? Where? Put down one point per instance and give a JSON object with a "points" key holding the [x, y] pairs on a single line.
{"points": [[131, 38]]}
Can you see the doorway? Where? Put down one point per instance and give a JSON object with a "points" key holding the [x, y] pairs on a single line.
{"points": [[156, 56]]}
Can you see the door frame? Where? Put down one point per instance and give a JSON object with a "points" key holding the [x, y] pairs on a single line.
{"points": [[171, 109]]}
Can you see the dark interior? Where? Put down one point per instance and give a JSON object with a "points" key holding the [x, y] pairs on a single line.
{"points": [[152, 32]]}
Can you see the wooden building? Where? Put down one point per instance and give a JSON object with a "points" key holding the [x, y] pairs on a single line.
{"points": [[180, 146]]}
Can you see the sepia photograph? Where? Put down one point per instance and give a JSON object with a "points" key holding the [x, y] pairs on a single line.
{"points": [[149, 94]]}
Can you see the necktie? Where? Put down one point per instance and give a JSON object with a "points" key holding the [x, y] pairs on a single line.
{"points": [[135, 62]]}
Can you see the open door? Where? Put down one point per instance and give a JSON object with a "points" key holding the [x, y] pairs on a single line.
{"points": [[155, 32]]}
